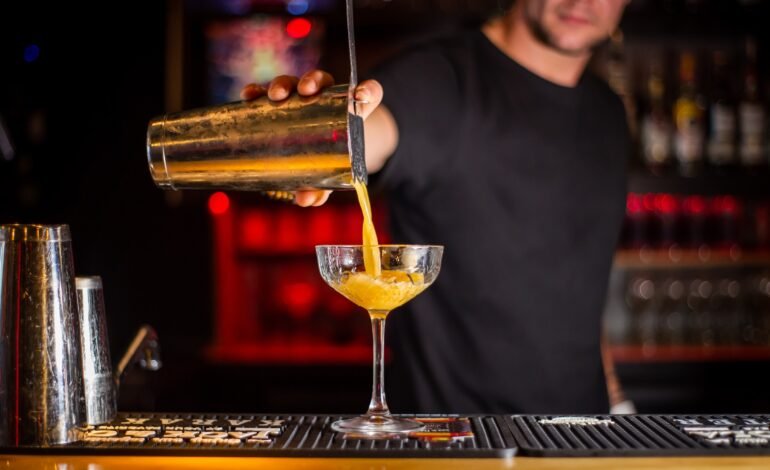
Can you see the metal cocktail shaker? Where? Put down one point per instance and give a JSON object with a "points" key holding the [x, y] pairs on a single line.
{"points": [[100, 390], [300, 143], [41, 391]]}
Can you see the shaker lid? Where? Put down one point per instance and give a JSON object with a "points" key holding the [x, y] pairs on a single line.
{"points": [[35, 232]]}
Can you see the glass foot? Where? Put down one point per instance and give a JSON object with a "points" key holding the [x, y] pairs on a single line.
{"points": [[377, 426]]}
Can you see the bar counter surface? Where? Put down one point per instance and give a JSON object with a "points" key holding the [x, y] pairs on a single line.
{"points": [[192, 441], [235, 463]]}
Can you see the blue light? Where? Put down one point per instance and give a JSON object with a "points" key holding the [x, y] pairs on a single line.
{"points": [[31, 53], [237, 7], [298, 7]]}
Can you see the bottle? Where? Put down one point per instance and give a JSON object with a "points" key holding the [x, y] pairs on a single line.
{"points": [[699, 321], [720, 149], [656, 129], [761, 309], [725, 215], [668, 220], [752, 115], [673, 313], [640, 299], [724, 305], [688, 119], [638, 223], [694, 222]]}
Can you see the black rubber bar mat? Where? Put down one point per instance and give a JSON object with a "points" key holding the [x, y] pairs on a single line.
{"points": [[446, 436], [640, 435]]}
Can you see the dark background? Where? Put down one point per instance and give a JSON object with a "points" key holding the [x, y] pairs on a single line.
{"points": [[77, 117]]}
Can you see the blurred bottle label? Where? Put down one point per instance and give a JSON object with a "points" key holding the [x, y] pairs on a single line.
{"points": [[721, 146], [656, 140], [752, 133], [689, 131]]}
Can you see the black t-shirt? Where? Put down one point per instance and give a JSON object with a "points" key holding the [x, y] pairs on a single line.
{"points": [[523, 182]]}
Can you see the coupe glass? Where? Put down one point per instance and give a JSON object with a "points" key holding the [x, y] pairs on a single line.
{"points": [[403, 273]]}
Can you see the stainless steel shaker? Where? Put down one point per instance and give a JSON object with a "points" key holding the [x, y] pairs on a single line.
{"points": [[302, 142], [101, 399], [41, 392]]}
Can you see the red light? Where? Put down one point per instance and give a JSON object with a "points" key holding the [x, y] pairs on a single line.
{"points": [[219, 203], [322, 226], [338, 305], [633, 204], [694, 205], [727, 205], [300, 298], [289, 230], [298, 28], [255, 230], [648, 201], [353, 224], [665, 203]]}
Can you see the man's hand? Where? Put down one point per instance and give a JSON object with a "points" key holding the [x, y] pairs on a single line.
{"points": [[368, 94]]}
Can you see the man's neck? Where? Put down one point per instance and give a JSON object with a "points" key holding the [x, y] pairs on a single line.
{"points": [[511, 35]]}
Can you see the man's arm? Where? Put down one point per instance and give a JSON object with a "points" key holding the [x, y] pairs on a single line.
{"points": [[381, 138], [619, 404]]}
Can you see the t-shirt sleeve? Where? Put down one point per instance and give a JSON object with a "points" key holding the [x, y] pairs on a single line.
{"points": [[421, 92]]}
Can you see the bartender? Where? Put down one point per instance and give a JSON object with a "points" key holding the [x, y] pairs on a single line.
{"points": [[499, 145]]}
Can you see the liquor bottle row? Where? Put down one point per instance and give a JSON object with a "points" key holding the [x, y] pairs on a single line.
{"points": [[722, 222], [696, 308], [652, 220], [711, 114]]}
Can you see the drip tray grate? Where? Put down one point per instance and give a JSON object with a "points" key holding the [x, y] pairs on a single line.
{"points": [[640, 435], [445, 436]]}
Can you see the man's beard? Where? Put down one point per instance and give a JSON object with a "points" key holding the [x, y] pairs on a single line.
{"points": [[544, 36]]}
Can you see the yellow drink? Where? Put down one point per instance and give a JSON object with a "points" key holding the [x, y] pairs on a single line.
{"points": [[380, 294], [376, 290], [371, 255]]}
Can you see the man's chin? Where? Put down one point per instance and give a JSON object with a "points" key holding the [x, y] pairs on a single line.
{"points": [[576, 48], [572, 51], [573, 48], [569, 49]]}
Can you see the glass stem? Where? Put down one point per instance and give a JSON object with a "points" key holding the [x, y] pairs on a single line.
{"points": [[378, 407]]}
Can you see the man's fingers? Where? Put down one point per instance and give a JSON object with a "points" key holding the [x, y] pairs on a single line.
{"points": [[252, 91], [322, 199], [314, 81], [368, 95], [281, 87], [307, 198]]}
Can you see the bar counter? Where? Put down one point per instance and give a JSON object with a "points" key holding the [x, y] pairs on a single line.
{"points": [[236, 463], [191, 441]]}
